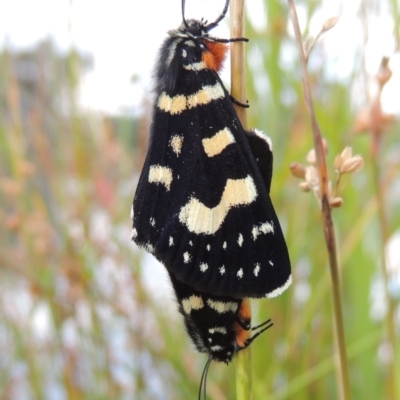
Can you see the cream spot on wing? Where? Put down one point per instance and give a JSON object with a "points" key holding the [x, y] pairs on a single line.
{"points": [[240, 240], [171, 241], [173, 105], [257, 269], [179, 103], [222, 270], [205, 95], [208, 247], [222, 306], [281, 289], [224, 246], [176, 144], [192, 303], [217, 143], [190, 243], [163, 175], [186, 257], [152, 222], [216, 348], [200, 219], [198, 66], [271, 263], [240, 273], [203, 267], [264, 228]]}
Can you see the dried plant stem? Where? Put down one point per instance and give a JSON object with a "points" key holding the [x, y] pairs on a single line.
{"points": [[326, 211], [238, 91]]}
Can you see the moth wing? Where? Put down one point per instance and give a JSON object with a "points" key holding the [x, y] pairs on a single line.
{"points": [[202, 205]]}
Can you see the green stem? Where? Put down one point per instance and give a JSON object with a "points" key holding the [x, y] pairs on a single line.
{"points": [[238, 91]]}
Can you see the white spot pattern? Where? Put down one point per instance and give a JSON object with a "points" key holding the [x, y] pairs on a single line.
{"points": [[257, 269], [264, 228], [240, 273], [186, 257], [203, 267], [240, 240]]}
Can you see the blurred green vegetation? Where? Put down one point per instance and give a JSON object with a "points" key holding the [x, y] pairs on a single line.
{"points": [[77, 321]]}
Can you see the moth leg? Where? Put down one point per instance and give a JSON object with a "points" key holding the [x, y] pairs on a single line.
{"points": [[237, 102]]}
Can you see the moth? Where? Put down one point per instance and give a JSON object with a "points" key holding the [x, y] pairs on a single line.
{"points": [[202, 204]]}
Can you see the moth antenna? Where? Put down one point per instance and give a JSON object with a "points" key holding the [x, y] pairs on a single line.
{"points": [[204, 379], [268, 321], [215, 23], [183, 13]]}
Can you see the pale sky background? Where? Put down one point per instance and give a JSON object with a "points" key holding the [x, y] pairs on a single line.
{"points": [[123, 37]]}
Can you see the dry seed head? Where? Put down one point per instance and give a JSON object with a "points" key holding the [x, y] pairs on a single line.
{"points": [[329, 23], [352, 164], [298, 170], [347, 153], [305, 186], [336, 202], [384, 73]]}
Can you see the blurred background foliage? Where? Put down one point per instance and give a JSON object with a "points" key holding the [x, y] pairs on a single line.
{"points": [[77, 318]]}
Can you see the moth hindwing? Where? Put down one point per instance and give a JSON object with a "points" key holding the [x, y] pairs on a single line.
{"points": [[202, 204]]}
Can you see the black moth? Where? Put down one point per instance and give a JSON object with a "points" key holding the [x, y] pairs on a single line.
{"points": [[202, 204]]}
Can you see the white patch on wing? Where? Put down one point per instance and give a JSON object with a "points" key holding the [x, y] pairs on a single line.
{"points": [[215, 348], [240, 273], [171, 241], [200, 219], [257, 269], [159, 174], [208, 247], [176, 144], [271, 263], [219, 329], [203, 267], [186, 257], [192, 303], [179, 103], [217, 143], [264, 228], [222, 270], [152, 222], [280, 290], [224, 246], [222, 306], [240, 240], [264, 137], [148, 247]]}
